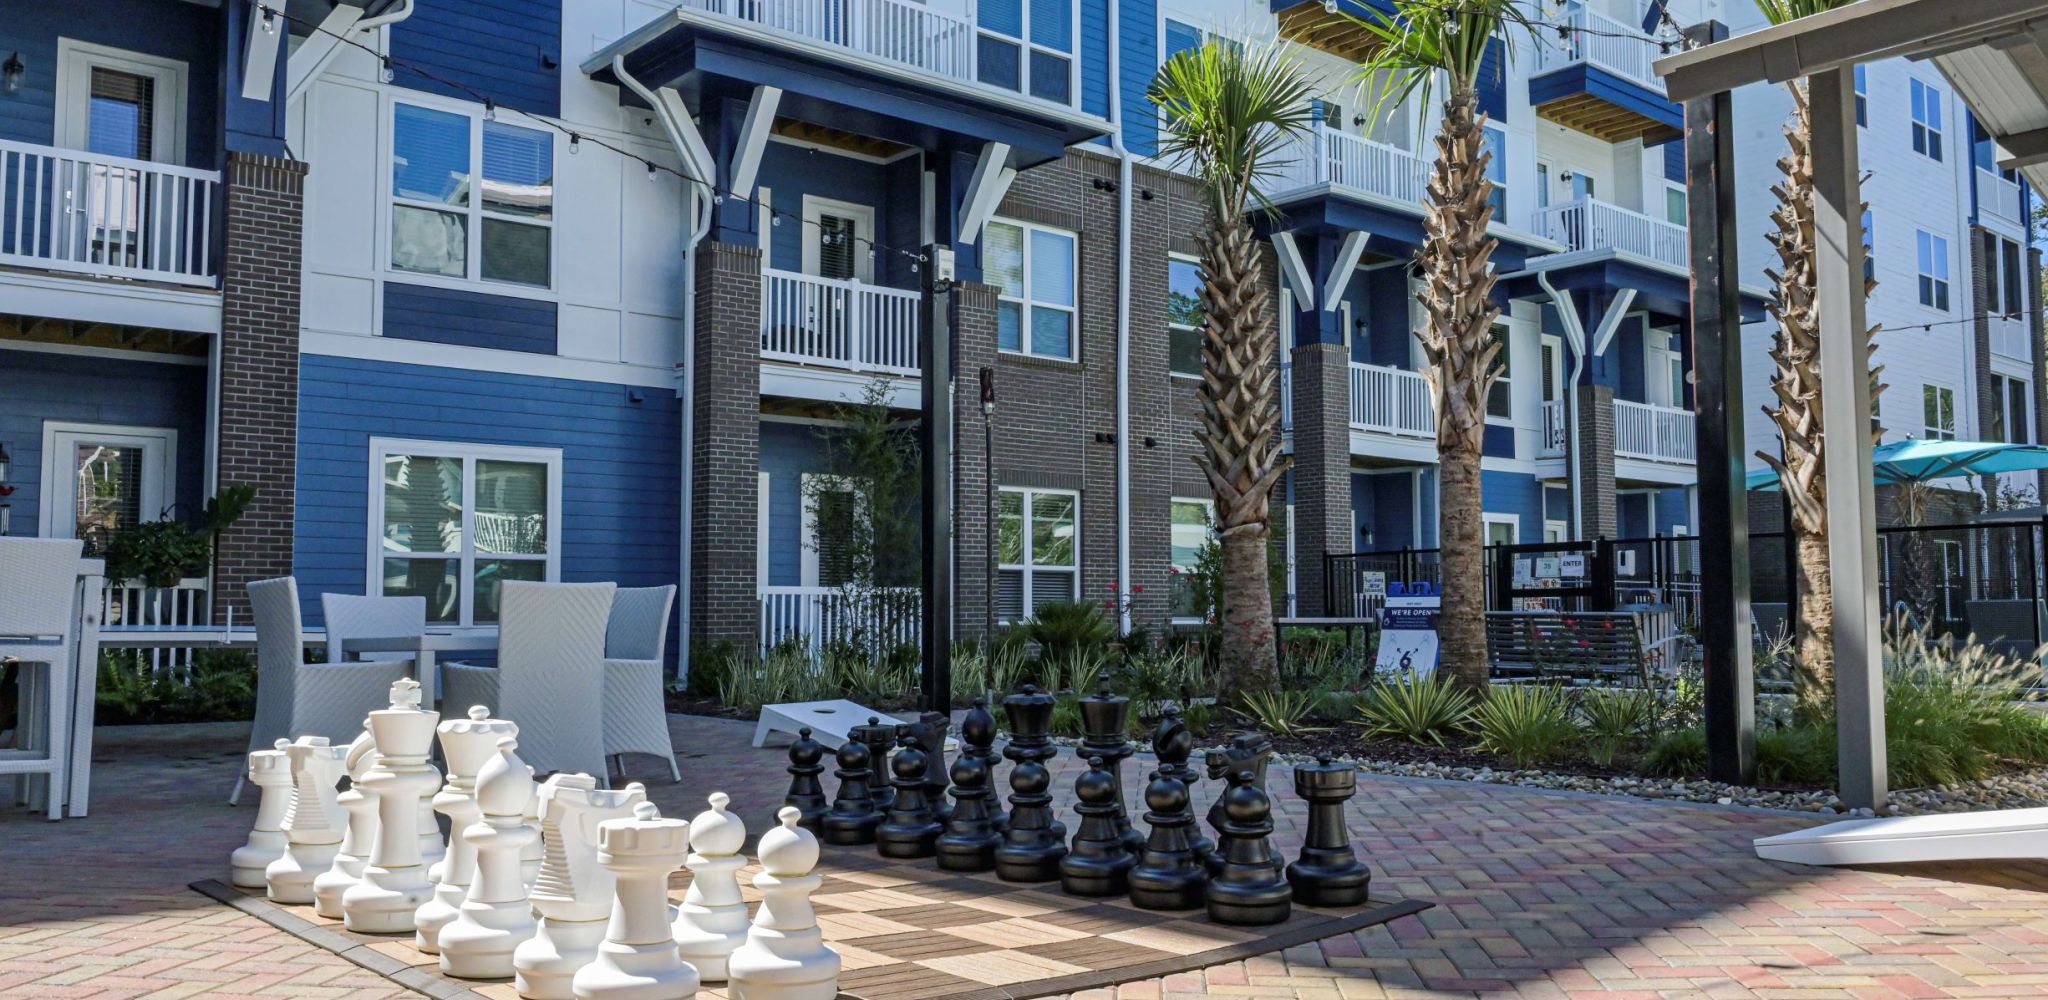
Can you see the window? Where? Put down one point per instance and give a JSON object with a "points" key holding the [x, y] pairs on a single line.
{"points": [[1869, 247], [1038, 560], [1032, 268], [1933, 271], [836, 239], [2007, 283], [1542, 185], [1184, 316], [99, 480], [451, 522], [1863, 95], [1938, 406], [444, 224], [1500, 400], [1497, 171], [1674, 204], [1926, 120], [2011, 410], [1027, 46], [1192, 530], [119, 103]]}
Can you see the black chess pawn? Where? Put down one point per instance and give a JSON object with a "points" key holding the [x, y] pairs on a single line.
{"points": [[806, 793], [908, 831], [1250, 752], [1098, 864], [1168, 876], [978, 739], [1328, 872], [970, 841], [880, 738], [1250, 891], [1035, 842], [1104, 716], [853, 816], [929, 731], [1173, 743]]}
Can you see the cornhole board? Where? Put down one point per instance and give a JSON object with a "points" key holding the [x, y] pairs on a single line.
{"points": [[1971, 836], [830, 722]]}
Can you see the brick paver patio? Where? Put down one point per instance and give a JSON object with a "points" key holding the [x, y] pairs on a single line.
{"points": [[1539, 895]]}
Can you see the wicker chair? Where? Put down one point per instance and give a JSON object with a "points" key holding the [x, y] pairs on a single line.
{"points": [[550, 673], [38, 608], [295, 698], [635, 645]]}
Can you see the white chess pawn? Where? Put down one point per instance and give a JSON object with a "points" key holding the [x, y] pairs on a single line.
{"points": [[785, 957], [394, 883], [433, 848], [638, 959], [467, 744], [496, 916], [530, 859], [271, 772], [573, 893], [312, 824], [361, 808], [712, 922]]}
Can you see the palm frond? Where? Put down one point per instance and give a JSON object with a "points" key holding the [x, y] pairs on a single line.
{"points": [[1228, 113], [1781, 11], [1423, 38]]}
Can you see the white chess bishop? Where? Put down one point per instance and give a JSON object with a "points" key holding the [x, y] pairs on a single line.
{"points": [[361, 808], [312, 824], [638, 959], [573, 893], [394, 882], [271, 772], [711, 923], [496, 917], [466, 745], [785, 957]]}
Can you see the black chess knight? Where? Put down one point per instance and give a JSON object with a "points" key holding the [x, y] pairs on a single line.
{"points": [[1251, 753], [1173, 743], [853, 816], [1168, 875], [880, 738], [806, 793], [1328, 872], [929, 732]]}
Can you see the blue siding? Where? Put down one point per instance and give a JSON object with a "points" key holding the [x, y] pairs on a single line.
{"points": [[1493, 83], [1674, 162], [1515, 493], [1632, 515], [1138, 22], [507, 50], [1095, 57], [1388, 316], [469, 319], [1500, 441], [1672, 508], [893, 190], [787, 452], [620, 500], [1385, 503], [182, 31]]}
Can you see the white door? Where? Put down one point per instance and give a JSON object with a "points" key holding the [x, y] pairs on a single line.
{"points": [[99, 479], [838, 238]]}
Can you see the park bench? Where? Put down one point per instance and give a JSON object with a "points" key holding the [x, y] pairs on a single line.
{"points": [[1597, 647]]}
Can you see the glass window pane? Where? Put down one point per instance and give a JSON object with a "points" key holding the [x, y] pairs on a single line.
{"points": [[1052, 25], [430, 156], [429, 242], [437, 580], [1184, 354], [109, 480], [1010, 326], [1052, 268], [511, 507], [1181, 38], [1190, 533], [1003, 259], [516, 252], [1051, 587], [1010, 527], [422, 504], [1010, 595], [492, 572], [1184, 293], [122, 114], [1052, 333], [1000, 63], [1052, 529], [1052, 77], [1006, 16], [519, 170]]}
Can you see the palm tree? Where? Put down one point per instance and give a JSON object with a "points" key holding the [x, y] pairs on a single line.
{"points": [[1228, 114], [1796, 384], [1422, 40]]}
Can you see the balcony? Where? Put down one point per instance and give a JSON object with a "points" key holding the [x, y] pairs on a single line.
{"points": [[1596, 78], [2009, 337], [903, 34], [105, 216], [1653, 433], [1554, 432], [848, 325], [1355, 163], [1392, 401], [1590, 224], [1999, 199]]}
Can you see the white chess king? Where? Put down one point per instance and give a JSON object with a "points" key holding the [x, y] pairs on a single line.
{"points": [[361, 808], [271, 772], [573, 893], [466, 745], [312, 825], [496, 917], [638, 959], [395, 882], [712, 921], [785, 957]]}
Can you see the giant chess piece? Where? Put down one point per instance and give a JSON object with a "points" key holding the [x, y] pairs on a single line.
{"points": [[1173, 743], [909, 830], [785, 957], [1104, 716], [711, 923], [806, 793], [880, 739], [1328, 872], [978, 739], [1251, 752], [929, 733], [970, 841], [467, 744], [394, 883], [312, 822], [1034, 842], [496, 916], [271, 772], [853, 816], [1098, 864], [574, 893], [1169, 876], [535, 854], [638, 959], [361, 807], [1251, 891]]}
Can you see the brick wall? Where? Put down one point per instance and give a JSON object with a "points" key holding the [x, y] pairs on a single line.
{"points": [[1322, 467], [259, 368], [1983, 255], [1597, 518], [726, 445], [974, 339]]}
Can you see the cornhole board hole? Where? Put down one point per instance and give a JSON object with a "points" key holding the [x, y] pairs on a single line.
{"points": [[1971, 836], [830, 722]]}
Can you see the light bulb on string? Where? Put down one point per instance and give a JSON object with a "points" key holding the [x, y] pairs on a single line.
{"points": [[490, 110], [575, 143]]}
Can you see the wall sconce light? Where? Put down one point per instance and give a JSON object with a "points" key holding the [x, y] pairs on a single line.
{"points": [[11, 73]]}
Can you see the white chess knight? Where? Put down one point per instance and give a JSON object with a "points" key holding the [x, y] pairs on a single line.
{"points": [[785, 957], [312, 823], [530, 859], [496, 917], [466, 745], [573, 893], [712, 922], [361, 808], [271, 772], [638, 959], [394, 883]]}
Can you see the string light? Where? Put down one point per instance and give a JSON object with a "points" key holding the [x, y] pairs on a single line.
{"points": [[490, 110], [575, 143]]}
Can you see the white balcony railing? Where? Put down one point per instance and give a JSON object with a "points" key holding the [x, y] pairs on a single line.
{"points": [[1598, 40], [137, 603], [2009, 338], [1391, 401], [1591, 224], [820, 616], [1327, 156], [63, 210], [897, 31], [844, 324], [1999, 198], [1554, 432], [1653, 433]]}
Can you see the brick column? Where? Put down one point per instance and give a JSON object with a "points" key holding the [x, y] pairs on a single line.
{"points": [[974, 347], [1322, 467], [725, 446], [258, 416], [1597, 518], [1983, 257]]}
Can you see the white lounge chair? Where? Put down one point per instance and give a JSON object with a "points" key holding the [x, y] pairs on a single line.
{"points": [[550, 673], [635, 644], [38, 609], [295, 698]]}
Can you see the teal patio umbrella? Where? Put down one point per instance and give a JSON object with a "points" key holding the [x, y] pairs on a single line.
{"points": [[1916, 461]]}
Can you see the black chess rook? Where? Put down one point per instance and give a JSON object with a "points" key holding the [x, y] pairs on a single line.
{"points": [[1328, 873]]}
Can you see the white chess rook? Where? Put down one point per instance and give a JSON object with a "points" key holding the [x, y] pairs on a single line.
{"points": [[312, 824], [466, 745], [573, 894], [711, 923], [271, 772], [394, 883], [785, 957], [496, 917], [361, 808], [638, 959]]}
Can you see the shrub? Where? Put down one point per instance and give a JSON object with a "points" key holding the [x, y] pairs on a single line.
{"points": [[1199, 717], [1280, 711], [218, 685], [1069, 628], [1526, 723], [1417, 709], [1795, 755], [1614, 717], [1676, 754]]}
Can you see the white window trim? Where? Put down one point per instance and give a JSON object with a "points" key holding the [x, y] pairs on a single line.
{"points": [[1930, 431], [762, 482], [807, 532], [75, 62], [1025, 46], [1027, 568], [1030, 304], [1508, 380], [469, 454], [1937, 258], [1513, 521], [1860, 83], [1171, 326], [1937, 145], [1556, 531], [56, 493], [863, 216], [1555, 390], [388, 198], [1208, 505]]}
